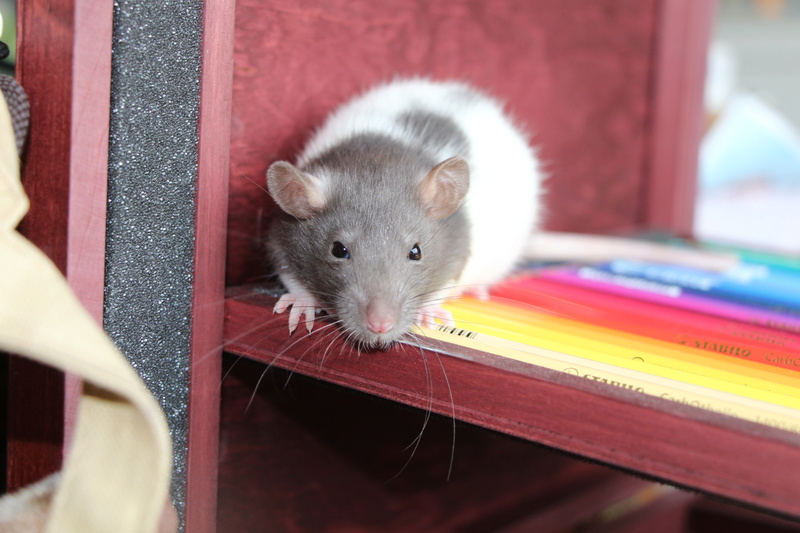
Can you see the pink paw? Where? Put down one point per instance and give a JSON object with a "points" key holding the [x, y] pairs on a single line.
{"points": [[302, 305], [426, 316]]}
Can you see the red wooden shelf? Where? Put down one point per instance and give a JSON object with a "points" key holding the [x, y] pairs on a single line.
{"points": [[683, 445], [300, 454], [621, 151]]}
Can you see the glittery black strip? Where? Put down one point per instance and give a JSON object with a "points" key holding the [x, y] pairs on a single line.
{"points": [[155, 95]]}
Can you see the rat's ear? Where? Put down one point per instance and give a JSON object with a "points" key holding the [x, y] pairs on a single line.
{"points": [[443, 189], [298, 193]]}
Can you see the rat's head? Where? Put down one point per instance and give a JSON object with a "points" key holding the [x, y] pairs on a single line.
{"points": [[371, 241]]}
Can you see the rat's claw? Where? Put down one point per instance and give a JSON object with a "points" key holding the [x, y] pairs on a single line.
{"points": [[301, 311], [302, 305], [283, 303]]}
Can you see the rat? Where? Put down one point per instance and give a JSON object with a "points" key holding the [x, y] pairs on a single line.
{"points": [[408, 194], [401, 199]]}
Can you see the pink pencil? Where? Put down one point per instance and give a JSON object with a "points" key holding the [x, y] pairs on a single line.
{"points": [[688, 328], [591, 305], [673, 296]]}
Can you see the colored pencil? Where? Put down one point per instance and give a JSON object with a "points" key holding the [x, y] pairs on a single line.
{"points": [[623, 343], [749, 255], [631, 352], [755, 284], [709, 399], [670, 295], [753, 343]]}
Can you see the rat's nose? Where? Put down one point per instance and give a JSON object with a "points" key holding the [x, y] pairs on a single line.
{"points": [[380, 318]]}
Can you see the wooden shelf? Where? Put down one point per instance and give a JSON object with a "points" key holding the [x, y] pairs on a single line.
{"points": [[300, 454], [683, 445], [621, 150]]}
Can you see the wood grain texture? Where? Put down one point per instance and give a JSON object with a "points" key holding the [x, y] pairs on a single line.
{"points": [[302, 455], [709, 516], [684, 34], [64, 64], [209, 267], [44, 69], [88, 175], [683, 445], [577, 75], [35, 422]]}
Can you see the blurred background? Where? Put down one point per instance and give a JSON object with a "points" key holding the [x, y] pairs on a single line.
{"points": [[8, 11], [749, 168]]}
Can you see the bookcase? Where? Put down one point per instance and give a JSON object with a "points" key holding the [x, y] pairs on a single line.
{"points": [[611, 93]]}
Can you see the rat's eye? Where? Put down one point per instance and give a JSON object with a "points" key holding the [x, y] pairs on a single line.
{"points": [[340, 250], [415, 254]]}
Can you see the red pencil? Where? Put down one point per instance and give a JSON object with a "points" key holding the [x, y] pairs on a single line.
{"points": [[697, 330]]}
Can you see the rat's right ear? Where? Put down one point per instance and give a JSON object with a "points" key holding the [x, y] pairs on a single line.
{"points": [[298, 193]]}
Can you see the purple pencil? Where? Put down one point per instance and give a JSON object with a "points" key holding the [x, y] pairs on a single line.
{"points": [[671, 295]]}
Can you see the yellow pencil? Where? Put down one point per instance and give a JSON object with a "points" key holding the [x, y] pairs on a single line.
{"points": [[710, 399], [475, 318], [633, 341]]}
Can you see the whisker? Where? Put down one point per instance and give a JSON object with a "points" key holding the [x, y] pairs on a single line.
{"points": [[452, 413], [414, 444], [248, 178], [327, 350], [280, 354], [228, 342], [228, 372], [452, 400], [319, 334], [255, 389]]}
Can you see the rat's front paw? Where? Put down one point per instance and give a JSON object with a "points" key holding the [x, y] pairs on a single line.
{"points": [[303, 304], [427, 315]]}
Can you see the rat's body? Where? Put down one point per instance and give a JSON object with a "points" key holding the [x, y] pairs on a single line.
{"points": [[437, 121], [436, 166], [409, 193]]}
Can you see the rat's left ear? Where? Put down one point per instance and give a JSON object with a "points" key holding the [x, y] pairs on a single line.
{"points": [[443, 189]]}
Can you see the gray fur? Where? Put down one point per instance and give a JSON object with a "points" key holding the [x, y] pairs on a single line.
{"points": [[374, 211], [432, 132]]}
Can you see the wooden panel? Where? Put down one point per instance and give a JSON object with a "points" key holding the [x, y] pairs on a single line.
{"points": [[683, 445], [303, 455], [576, 74], [621, 152], [710, 516], [209, 267], [44, 68], [35, 422], [86, 230], [64, 64], [91, 97], [680, 62]]}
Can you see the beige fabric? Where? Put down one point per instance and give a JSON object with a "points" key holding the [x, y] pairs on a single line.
{"points": [[26, 511], [117, 474]]}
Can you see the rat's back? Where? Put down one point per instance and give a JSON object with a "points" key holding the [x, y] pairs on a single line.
{"points": [[446, 119]]}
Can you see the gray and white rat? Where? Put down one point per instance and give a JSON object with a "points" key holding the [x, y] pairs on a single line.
{"points": [[410, 193]]}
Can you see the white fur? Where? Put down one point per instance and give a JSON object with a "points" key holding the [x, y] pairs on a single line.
{"points": [[503, 202]]}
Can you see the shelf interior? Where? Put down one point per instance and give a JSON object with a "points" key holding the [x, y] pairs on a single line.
{"points": [[682, 445]]}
